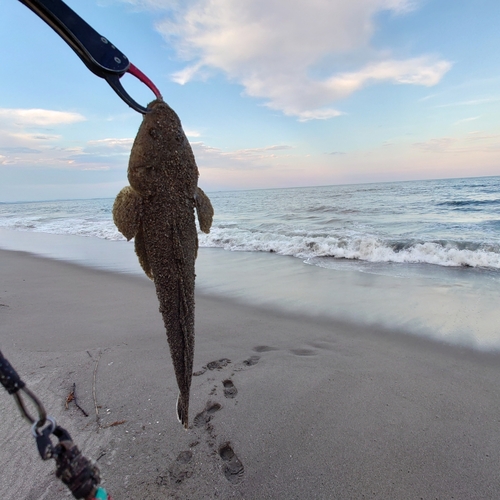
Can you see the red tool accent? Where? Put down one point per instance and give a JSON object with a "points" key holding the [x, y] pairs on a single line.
{"points": [[133, 70]]}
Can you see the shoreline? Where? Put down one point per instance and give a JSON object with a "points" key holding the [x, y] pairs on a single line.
{"points": [[305, 406], [451, 305]]}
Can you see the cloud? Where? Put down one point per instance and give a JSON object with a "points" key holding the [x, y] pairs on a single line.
{"points": [[38, 117], [426, 98], [472, 102], [278, 147], [35, 138], [147, 4], [100, 153], [47, 157], [27, 150], [25, 140], [20, 150], [474, 142], [27, 137], [288, 52], [418, 71], [112, 143], [241, 159], [192, 133], [465, 120], [306, 115], [442, 144]]}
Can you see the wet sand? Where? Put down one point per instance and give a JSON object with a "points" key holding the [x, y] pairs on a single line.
{"points": [[282, 406]]}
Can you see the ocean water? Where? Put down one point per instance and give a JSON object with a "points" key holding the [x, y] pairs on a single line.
{"points": [[441, 222], [423, 256]]}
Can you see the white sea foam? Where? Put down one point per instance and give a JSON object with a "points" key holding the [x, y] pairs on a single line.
{"points": [[104, 229], [355, 246]]}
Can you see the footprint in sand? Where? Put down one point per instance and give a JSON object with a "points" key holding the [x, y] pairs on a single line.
{"points": [[184, 457], [328, 345], [180, 468], [218, 365], [206, 415], [230, 390], [251, 361], [302, 352], [213, 365], [264, 348], [233, 468]]}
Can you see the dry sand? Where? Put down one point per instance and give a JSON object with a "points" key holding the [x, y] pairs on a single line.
{"points": [[301, 408]]}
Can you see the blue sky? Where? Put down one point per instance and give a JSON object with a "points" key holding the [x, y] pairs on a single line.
{"points": [[272, 93]]}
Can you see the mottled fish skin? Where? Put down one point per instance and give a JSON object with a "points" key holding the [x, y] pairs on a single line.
{"points": [[158, 210]]}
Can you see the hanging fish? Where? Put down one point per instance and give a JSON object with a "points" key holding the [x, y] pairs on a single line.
{"points": [[157, 209]]}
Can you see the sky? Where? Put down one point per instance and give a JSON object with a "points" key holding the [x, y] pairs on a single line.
{"points": [[274, 93]]}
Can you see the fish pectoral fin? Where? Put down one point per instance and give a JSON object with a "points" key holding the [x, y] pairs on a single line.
{"points": [[140, 250], [204, 210], [127, 211]]}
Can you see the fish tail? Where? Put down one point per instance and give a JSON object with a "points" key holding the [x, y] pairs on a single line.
{"points": [[182, 410]]}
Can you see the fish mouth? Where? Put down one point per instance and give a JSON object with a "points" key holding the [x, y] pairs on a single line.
{"points": [[158, 102], [155, 103]]}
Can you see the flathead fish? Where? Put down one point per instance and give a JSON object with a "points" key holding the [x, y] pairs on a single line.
{"points": [[157, 209]]}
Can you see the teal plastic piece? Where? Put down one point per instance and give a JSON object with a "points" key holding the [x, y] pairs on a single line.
{"points": [[101, 494]]}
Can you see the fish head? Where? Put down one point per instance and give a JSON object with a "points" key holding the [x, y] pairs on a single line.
{"points": [[161, 153]]}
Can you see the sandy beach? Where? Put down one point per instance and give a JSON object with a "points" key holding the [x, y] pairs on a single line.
{"points": [[283, 406]]}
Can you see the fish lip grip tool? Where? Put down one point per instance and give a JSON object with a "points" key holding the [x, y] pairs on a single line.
{"points": [[96, 51]]}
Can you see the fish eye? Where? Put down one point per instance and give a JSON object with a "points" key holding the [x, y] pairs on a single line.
{"points": [[153, 133]]}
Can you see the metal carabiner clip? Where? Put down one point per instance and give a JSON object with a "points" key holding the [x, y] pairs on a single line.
{"points": [[97, 52]]}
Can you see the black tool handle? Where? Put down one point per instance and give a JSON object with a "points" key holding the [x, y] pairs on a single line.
{"points": [[8, 376], [96, 51]]}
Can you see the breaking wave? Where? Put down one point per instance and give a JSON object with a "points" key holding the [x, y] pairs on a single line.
{"points": [[356, 246]]}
